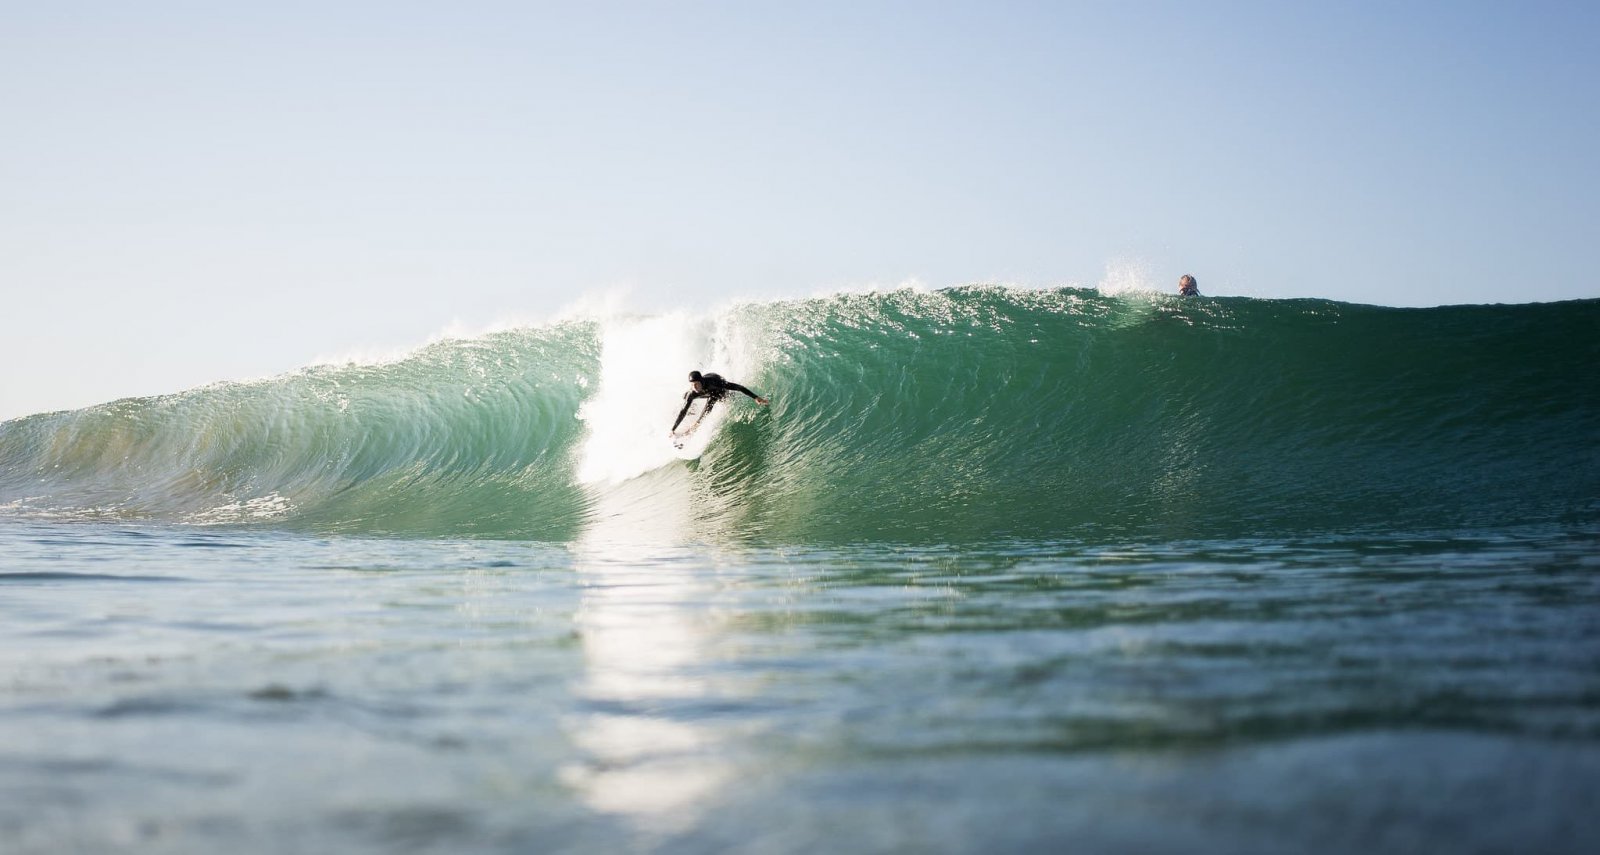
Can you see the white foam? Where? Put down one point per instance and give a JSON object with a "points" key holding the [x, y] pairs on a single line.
{"points": [[644, 367], [265, 507]]}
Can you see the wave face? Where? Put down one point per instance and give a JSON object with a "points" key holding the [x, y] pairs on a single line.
{"points": [[950, 416]]}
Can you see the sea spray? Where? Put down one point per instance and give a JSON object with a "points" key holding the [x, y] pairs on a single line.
{"points": [[641, 380]]}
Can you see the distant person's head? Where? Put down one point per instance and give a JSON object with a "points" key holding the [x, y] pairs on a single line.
{"points": [[697, 380], [1187, 285]]}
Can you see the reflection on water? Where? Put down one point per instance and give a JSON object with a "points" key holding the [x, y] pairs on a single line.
{"points": [[642, 690], [641, 621]]}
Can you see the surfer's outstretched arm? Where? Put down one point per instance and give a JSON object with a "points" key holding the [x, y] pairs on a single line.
{"points": [[737, 388], [687, 400]]}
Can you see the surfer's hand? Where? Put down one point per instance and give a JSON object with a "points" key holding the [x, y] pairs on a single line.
{"points": [[761, 401]]}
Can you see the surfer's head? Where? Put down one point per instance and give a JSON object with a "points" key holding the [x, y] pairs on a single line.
{"points": [[696, 380]]}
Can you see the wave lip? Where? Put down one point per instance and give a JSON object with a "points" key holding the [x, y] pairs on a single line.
{"points": [[966, 413]]}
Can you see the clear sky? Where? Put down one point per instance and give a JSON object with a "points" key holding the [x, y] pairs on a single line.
{"points": [[198, 191]]}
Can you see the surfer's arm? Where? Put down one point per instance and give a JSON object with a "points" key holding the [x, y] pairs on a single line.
{"points": [[687, 400], [737, 388]]}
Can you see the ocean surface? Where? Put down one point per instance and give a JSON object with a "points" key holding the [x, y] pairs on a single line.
{"points": [[999, 570]]}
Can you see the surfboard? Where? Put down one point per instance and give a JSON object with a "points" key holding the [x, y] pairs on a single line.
{"points": [[698, 428]]}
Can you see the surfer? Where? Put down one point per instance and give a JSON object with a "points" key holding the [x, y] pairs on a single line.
{"points": [[1187, 286], [713, 388]]}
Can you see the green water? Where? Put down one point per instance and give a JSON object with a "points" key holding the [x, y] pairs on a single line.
{"points": [[171, 690], [942, 417], [998, 571]]}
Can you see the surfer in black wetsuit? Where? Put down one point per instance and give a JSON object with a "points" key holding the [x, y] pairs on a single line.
{"points": [[1187, 286], [713, 388]]}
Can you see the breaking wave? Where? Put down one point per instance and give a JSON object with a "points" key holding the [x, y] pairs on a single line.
{"points": [[953, 415]]}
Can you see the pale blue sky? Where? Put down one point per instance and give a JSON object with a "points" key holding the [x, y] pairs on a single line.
{"points": [[201, 191]]}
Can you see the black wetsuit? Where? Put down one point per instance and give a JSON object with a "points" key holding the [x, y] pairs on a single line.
{"points": [[716, 389]]}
